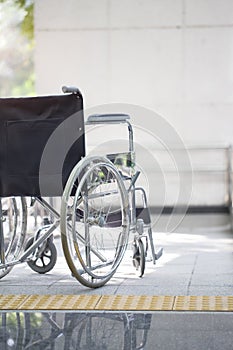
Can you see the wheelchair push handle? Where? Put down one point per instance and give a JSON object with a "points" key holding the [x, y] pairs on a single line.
{"points": [[70, 89]]}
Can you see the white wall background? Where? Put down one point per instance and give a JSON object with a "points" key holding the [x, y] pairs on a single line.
{"points": [[172, 56]]}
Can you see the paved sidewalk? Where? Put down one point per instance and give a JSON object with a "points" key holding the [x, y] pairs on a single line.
{"points": [[198, 262], [193, 263]]}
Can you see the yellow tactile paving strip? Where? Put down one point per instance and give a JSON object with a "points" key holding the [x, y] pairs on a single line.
{"points": [[59, 302], [116, 302], [135, 302], [204, 303]]}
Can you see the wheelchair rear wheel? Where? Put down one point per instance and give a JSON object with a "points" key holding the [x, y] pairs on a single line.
{"points": [[94, 221], [13, 223]]}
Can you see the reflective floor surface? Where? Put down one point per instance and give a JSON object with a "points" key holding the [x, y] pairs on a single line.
{"points": [[109, 330]]}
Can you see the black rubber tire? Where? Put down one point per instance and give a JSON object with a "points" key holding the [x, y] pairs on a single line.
{"points": [[139, 257], [50, 253]]}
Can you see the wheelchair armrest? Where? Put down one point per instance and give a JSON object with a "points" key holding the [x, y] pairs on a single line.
{"points": [[114, 118]]}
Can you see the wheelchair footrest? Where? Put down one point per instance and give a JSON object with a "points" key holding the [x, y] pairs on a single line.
{"points": [[158, 254]]}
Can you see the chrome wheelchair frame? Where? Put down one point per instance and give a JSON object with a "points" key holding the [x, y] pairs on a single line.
{"points": [[98, 213]]}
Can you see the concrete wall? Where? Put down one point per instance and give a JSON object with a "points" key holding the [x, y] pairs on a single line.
{"points": [[174, 57]]}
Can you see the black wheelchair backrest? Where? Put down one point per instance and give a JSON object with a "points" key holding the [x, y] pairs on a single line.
{"points": [[26, 127]]}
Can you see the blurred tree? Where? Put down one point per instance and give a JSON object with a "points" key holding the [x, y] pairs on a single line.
{"points": [[16, 48], [27, 24]]}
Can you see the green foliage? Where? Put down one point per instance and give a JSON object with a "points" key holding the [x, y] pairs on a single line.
{"points": [[27, 25], [17, 48]]}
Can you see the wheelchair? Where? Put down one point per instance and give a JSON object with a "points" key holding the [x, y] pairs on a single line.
{"points": [[43, 155]]}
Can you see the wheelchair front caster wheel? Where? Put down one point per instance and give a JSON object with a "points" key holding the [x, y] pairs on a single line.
{"points": [[139, 258], [45, 258]]}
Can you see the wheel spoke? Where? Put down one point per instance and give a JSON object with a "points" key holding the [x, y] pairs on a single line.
{"points": [[43, 263], [13, 230]]}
